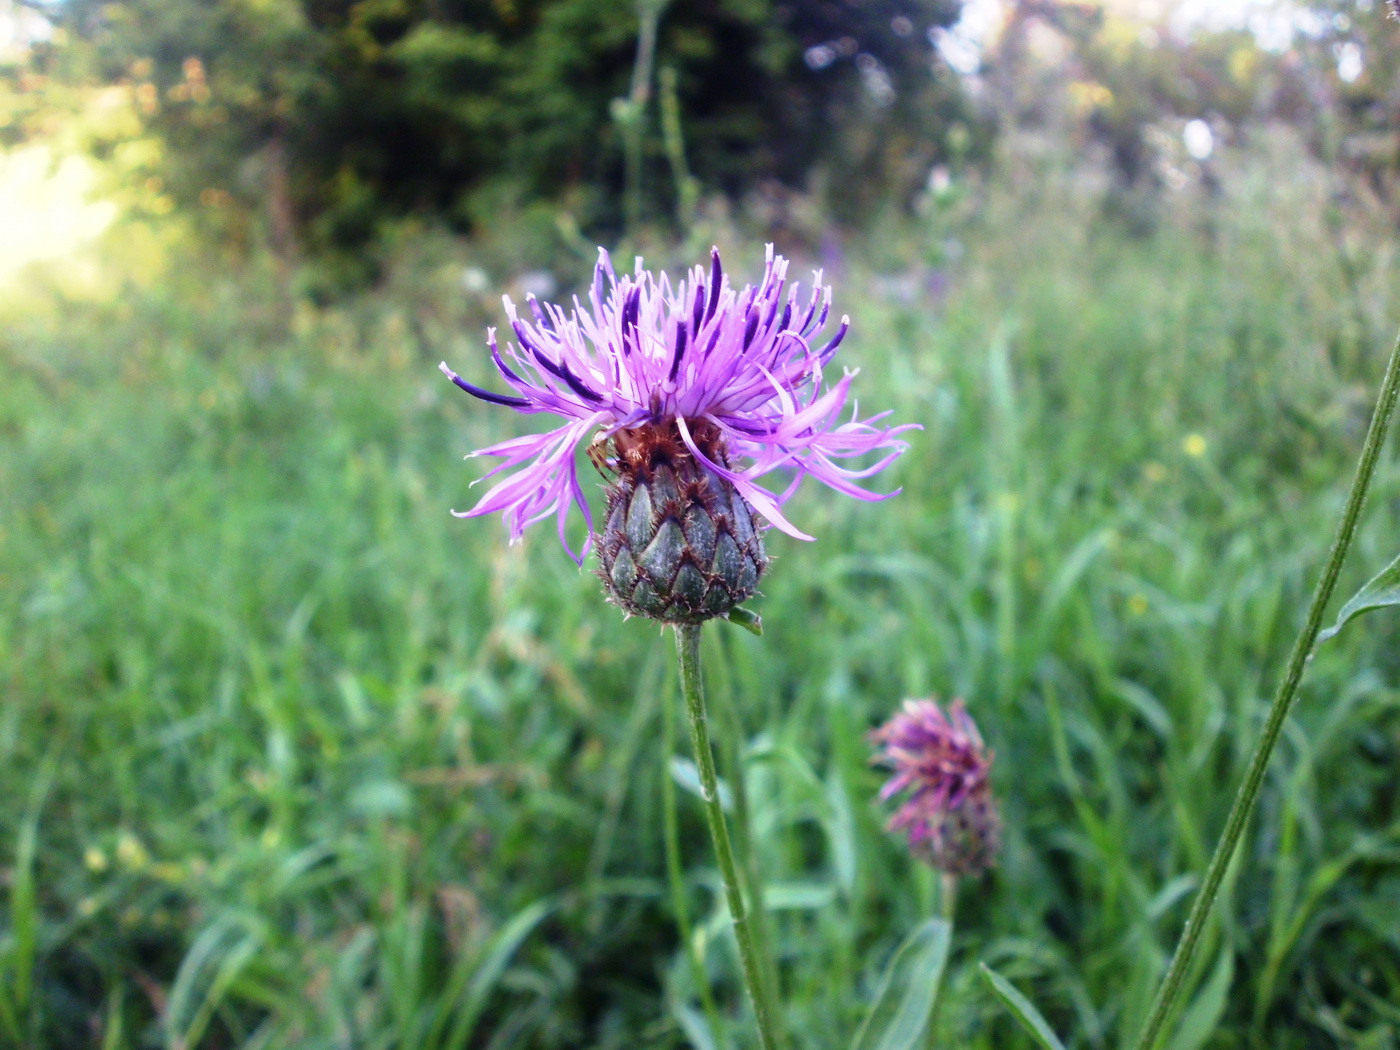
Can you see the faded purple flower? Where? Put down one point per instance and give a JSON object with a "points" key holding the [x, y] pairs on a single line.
{"points": [[737, 376], [948, 814]]}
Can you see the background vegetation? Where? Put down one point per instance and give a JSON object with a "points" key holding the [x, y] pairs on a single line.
{"points": [[290, 758]]}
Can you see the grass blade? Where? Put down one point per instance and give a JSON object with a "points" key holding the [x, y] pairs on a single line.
{"points": [[904, 1003], [1023, 1010], [19, 952], [1381, 591], [493, 964], [1205, 1011]]}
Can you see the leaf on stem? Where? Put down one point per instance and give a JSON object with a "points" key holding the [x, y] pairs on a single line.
{"points": [[1381, 591], [684, 773], [904, 1003], [1203, 1015], [1022, 1009], [747, 619]]}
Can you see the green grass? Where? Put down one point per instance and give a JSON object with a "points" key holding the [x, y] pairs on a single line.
{"points": [[291, 758]]}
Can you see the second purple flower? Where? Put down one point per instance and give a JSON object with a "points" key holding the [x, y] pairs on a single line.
{"points": [[941, 768]]}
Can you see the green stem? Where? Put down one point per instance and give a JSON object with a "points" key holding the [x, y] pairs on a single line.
{"points": [[947, 907], [675, 874], [748, 857], [1278, 712], [692, 685], [634, 110], [948, 895]]}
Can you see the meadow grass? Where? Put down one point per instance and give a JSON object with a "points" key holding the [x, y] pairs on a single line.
{"points": [[291, 758]]}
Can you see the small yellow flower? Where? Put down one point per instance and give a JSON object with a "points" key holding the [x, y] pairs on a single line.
{"points": [[95, 859], [131, 853], [168, 871], [1194, 445]]}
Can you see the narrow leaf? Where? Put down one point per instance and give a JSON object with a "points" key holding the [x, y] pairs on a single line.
{"points": [[1383, 590], [904, 1003], [684, 773], [1022, 1009], [1205, 1011], [694, 1025], [492, 965], [747, 619]]}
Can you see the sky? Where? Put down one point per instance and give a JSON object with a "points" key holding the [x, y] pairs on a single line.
{"points": [[1267, 18], [1274, 23]]}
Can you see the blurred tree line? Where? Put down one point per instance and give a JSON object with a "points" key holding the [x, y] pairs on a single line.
{"points": [[314, 125], [317, 120], [1120, 89]]}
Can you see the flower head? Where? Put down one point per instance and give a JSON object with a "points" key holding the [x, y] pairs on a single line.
{"points": [[949, 814], [734, 377]]}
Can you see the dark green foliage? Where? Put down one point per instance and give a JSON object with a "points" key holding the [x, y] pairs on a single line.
{"points": [[333, 116]]}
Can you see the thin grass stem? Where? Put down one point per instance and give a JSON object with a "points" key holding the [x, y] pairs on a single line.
{"points": [[692, 685], [948, 895], [675, 875], [748, 856], [1297, 663], [947, 908]]}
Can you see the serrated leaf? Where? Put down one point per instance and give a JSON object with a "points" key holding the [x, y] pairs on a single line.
{"points": [[1022, 1009], [904, 1003], [1381, 591]]}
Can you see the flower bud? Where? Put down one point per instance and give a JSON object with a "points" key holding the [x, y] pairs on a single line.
{"points": [[680, 544]]}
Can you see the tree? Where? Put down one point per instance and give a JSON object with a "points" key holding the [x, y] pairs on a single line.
{"points": [[326, 116]]}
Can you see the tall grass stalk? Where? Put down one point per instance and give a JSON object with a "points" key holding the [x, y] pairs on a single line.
{"points": [[692, 685], [675, 876], [1283, 700]]}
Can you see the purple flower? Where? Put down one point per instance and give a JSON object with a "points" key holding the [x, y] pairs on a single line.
{"points": [[746, 366], [948, 813]]}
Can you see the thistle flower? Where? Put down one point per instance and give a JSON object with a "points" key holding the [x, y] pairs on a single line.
{"points": [[687, 396], [949, 814]]}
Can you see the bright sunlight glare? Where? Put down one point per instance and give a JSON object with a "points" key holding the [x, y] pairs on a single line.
{"points": [[46, 208]]}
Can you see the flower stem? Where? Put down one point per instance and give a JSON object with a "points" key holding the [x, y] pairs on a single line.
{"points": [[948, 895], [947, 908], [748, 857], [1278, 712], [692, 685], [676, 877]]}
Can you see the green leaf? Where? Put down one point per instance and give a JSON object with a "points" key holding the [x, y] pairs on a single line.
{"points": [[684, 773], [747, 619], [694, 1025], [19, 950], [474, 978], [1205, 1011], [1023, 1010], [908, 990], [1383, 590], [798, 896]]}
